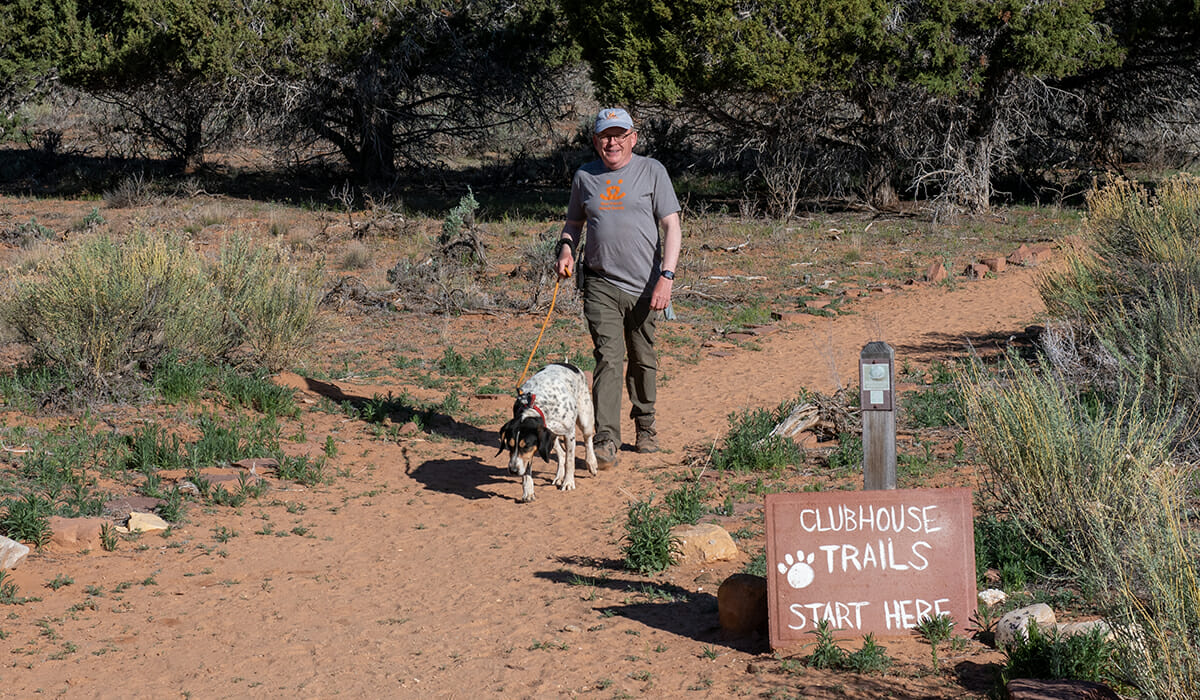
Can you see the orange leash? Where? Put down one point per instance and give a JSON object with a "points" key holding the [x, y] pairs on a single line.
{"points": [[543, 331]]}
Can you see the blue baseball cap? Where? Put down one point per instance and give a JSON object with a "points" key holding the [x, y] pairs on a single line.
{"points": [[613, 116]]}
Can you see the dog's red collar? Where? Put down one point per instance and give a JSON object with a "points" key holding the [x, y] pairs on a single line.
{"points": [[529, 401]]}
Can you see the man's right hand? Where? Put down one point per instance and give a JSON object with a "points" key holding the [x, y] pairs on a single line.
{"points": [[566, 263]]}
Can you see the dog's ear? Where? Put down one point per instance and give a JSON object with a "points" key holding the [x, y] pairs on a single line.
{"points": [[506, 436], [546, 440]]}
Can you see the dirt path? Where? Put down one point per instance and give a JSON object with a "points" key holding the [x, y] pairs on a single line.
{"points": [[417, 573]]}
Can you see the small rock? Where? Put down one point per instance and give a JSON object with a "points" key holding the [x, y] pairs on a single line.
{"points": [[790, 316], [570, 628], [11, 553], [936, 272], [1029, 689], [1021, 256], [1015, 624], [74, 534], [752, 668], [703, 543], [119, 509], [742, 605], [995, 263], [976, 271], [992, 596], [146, 522], [1071, 629]]}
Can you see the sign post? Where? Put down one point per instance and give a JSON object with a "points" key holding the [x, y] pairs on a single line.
{"points": [[877, 399], [875, 562]]}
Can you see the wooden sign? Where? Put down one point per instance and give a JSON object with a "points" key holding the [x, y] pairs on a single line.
{"points": [[868, 561]]}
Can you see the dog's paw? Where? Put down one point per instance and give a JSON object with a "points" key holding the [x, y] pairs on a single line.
{"points": [[527, 497], [567, 485]]}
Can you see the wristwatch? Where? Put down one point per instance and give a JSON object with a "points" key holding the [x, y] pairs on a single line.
{"points": [[563, 242], [669, 274]]}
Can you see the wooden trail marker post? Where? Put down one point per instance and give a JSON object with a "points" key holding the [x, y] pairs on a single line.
{"points": [[877, 398]]}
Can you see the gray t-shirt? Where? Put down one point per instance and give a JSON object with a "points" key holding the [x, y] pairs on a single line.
{"points": [[622, 209]]}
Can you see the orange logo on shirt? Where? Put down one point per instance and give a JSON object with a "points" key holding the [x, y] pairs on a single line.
{"points": [[613, 195]]}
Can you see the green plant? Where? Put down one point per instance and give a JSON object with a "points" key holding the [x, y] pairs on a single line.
{"points": [[849, 452], [177, 380], [1088, 656], [257, 391], [935, 629], [757, 566], [686, 503], [1002, 544], [648, 547], [826, 654], [26, 519], [59, 581], [9, 593], [453, 363], [750, 446], [303, 470], [870, 658], [108, 537], [932, 407]]}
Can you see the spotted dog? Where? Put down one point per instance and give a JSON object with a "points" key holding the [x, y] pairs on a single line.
{"points": [[549, 406]]}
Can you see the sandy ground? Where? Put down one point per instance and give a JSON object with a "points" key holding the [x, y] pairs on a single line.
{"points": [[417, 573]]}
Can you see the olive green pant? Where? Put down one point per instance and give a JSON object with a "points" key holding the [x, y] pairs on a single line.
{"points": [[620, 322]]}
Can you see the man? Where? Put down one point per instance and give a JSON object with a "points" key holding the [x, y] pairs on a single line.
{"points": [[628, 273]]}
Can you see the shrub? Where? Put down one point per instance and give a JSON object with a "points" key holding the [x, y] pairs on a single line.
{"points": [[272, 302], [686, 503], [649, 547], [1001, 544], [1092, 484], [749, 445], [104, 308], [27, 519], [1083, 657]]}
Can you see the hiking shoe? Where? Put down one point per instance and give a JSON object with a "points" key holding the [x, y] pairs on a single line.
{"points": [[606, 455], [647, 442]]}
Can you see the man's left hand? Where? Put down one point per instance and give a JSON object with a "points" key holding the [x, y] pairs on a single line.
{"points": [[661, 296]]}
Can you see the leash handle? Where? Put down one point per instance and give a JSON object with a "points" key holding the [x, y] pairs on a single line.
{"points": [[543, 331]]}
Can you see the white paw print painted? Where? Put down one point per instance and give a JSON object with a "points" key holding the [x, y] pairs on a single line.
{"points": [[799, 572]]}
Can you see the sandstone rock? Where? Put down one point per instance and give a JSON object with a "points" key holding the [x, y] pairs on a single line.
{"points": [[700, 544], [992, 596], [976, 271], [146, 522], [1029, 689], [1070, 629], [74, 534], [1015, 625], [790, 316], [1042, 252], [742, 605], [936, 272], [995, 263], [11, 553], [1021, 256], [120, 508]]}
